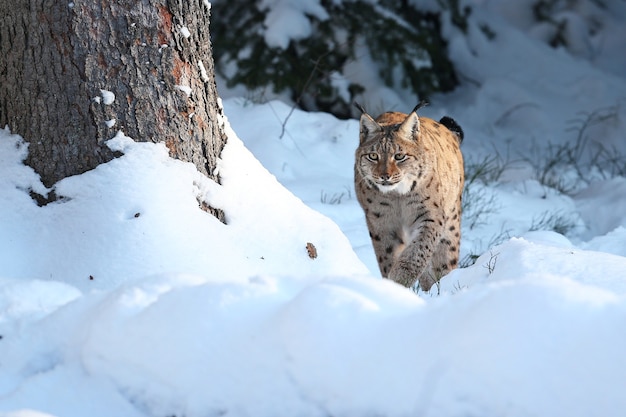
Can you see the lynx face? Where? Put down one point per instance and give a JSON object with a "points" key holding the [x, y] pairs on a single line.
{"points": [[390, 162], [409, 178]]}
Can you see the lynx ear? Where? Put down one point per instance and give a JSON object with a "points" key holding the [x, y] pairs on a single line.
{"points": [[367, 125], [411, 125]]}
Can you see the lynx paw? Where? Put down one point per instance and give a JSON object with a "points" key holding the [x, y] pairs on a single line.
{"points": [[405, 276], [426, 282], [402, 275]]}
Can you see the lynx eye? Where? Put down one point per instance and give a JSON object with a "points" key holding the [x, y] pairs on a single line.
{"points": [[372, 156], [399, 156]]}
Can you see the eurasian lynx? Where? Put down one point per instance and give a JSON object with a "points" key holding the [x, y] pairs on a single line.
{"points": [[409, 178]]}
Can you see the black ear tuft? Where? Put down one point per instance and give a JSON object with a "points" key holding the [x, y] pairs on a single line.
{"points": [[421, 104], [452, 126], [358, 106]]}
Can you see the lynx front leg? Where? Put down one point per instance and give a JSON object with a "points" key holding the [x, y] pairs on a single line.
{"points": [[414, 262], [446, 256], [387, 244]]}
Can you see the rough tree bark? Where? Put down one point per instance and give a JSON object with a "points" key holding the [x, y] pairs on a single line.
{"points": [[61, 58]]}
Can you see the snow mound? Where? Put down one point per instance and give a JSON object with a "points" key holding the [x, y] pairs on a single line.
{"points": [[182, 345], [139, 215]]}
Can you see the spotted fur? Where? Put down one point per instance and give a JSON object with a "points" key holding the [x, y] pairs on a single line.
{"points": [[409, 178]]}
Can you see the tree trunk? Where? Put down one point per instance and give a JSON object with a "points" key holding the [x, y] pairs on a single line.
{"points": [[73, 74]]}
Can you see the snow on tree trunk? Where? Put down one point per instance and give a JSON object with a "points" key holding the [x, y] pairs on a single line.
{"points": [[73, 74]]}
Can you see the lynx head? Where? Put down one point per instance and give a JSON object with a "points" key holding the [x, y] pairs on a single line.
{"points": [[389, 155]]}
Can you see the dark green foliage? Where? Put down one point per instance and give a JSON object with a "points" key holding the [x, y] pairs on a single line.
{"points": [[405, 43]]}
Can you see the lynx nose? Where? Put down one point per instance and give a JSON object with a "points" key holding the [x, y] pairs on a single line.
{"points": [[385, 176]]}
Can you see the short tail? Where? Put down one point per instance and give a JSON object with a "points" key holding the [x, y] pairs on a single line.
{"points": [[452, 126]]}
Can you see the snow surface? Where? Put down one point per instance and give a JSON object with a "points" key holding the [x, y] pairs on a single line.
{"points": [[288, 20], [123, 298], [185, 32], [108, 97]]}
